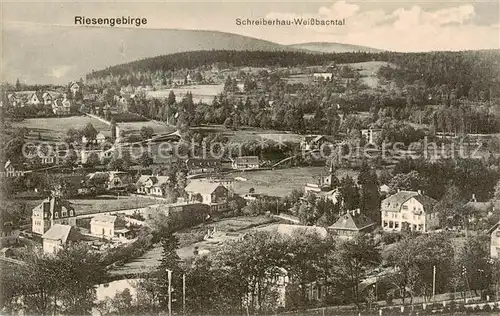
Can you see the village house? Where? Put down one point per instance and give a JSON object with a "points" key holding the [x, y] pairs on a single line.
{"points": [[61, 106], [409, 208], [325, 187], [74, 88], [53, 210], [59, 236], [117, 180], [325, 76], [36, 98], [371, 134], [313, 142], [15, 100], [350, 224], [245, 162], [213, 194], [99, 139], [47, 98], [108, 226], [152, 185], [200, 165], [11, 170], [495, 241]]}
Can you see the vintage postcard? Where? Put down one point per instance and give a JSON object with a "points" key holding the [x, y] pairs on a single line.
{"points": [[250, 157]]}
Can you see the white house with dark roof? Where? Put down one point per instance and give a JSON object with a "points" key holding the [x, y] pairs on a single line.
{"points": [[50, 212], [152, 185], [59, 236], [410, 208], [210, 193]]}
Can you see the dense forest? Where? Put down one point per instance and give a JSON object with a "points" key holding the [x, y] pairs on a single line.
{"points": [[195, 59]]}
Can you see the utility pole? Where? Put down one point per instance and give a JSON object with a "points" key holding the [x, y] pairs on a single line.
{"points": [[433, 282], [184, 293], [169, 273]]}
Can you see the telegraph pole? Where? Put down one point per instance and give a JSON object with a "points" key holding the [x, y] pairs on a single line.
{"points": [[169, 273], [184, 293], [433, 282]]}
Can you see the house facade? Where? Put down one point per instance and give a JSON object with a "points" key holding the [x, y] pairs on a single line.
{"points": [[152, 185], [245, 162], [51, 211], [213, 194], [200, 165], [495, 241], [103, 225], [11, 171], [409, 208], [351, 224], [59, 236], [313, 142], [371, 134]]}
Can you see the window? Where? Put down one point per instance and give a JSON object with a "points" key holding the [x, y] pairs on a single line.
{"points": [[56, 215], [385, 223], [405, 207], [396, 225], [71, 213], [64, 213], [386, 213]]}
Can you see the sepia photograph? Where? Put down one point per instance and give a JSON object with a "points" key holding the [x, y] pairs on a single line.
{"points": [[250, 157]]}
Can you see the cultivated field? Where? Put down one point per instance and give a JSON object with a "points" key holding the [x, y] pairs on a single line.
{"points": [[203, 93], [55, 128], [281, 182]]}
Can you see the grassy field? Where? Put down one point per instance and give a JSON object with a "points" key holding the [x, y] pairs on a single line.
{"points": [[103, 204], [55, 128], [281, 182], [203, 93], [249, 133], [368, 71]]}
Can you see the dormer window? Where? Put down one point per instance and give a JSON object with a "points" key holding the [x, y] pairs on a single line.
{"points": [[71, 213], [56, 215]]}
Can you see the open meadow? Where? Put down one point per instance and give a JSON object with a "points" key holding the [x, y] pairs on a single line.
{"points": [[55, 128], [280, 182]]}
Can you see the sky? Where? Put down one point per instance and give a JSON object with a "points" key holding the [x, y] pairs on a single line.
{"points": [[391, 25]]}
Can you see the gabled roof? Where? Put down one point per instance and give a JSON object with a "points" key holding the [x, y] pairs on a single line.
{"points": [[492, 229], [426, 201], [103, 219], [63, 233], [289, 230], [314, 138], [202, 187], [352, 222], [53, 204]]}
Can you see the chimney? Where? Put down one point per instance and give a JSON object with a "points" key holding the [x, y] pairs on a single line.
{"points": [[399, 190], [358, 211], [419, 192]]}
